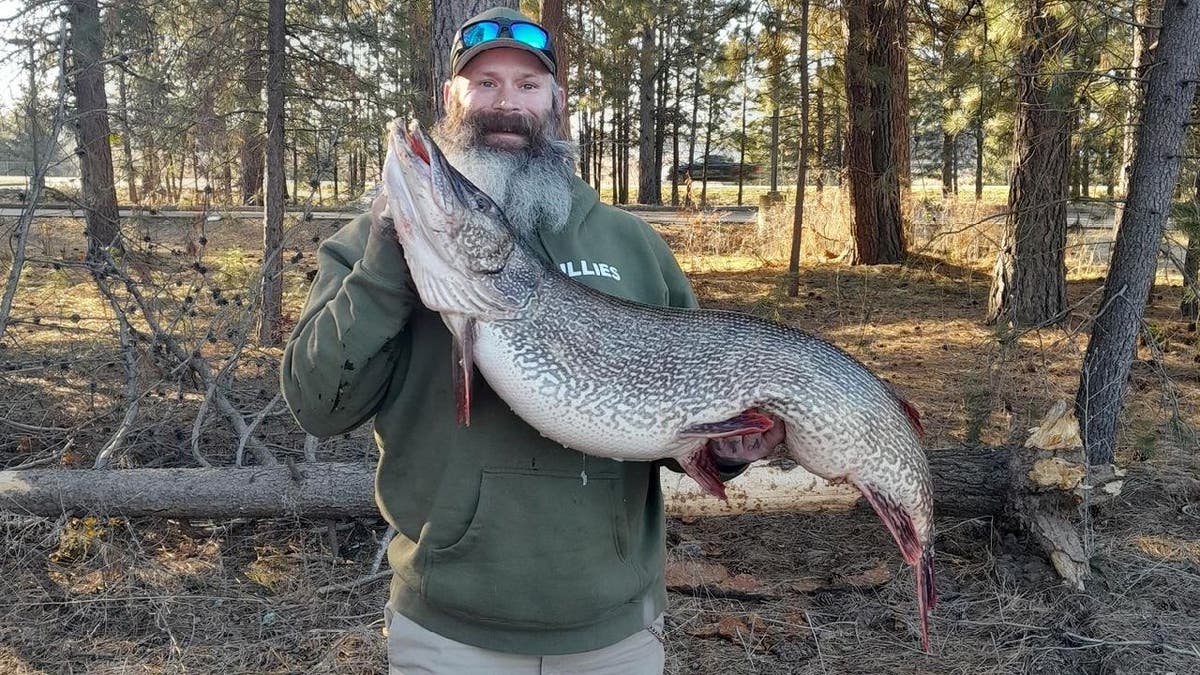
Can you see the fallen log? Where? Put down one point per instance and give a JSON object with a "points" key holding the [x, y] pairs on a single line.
{"points": [[321, 490], [968, 482]]}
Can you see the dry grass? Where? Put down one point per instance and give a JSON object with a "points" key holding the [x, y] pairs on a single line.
{"points": [[117, 596]]}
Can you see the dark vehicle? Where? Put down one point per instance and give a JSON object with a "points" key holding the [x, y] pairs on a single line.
{"points": [[720, 167]]}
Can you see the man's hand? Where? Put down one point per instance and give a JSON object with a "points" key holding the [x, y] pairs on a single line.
{"points": [[381, 217]]}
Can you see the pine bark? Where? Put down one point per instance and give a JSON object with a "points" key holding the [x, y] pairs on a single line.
{"points": [[448, 16], [1029, 280], [270, 323], [95, 154], [1170, 92], [649, 183], [1147, 14], [877, 153]]}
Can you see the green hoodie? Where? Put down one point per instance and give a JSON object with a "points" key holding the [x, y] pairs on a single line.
{"points": [[506, 540]]}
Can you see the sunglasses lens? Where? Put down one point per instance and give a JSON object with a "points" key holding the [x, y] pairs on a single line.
{"points": [[531, 35], [480, 32]]}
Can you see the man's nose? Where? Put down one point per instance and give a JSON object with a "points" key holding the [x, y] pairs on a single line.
{"points": [[505, 99]]}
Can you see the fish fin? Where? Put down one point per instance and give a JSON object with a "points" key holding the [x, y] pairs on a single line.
{"points": [[926, 593], [919, 555], [463, 362], [703, 469], [741, 424], [910, 410]]}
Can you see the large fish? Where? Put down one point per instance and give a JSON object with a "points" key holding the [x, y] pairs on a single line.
{"points": [[630, 381]]}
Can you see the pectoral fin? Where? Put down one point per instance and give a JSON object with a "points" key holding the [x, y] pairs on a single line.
{"points": [[745, 422], [701, 467], [463, 363]]}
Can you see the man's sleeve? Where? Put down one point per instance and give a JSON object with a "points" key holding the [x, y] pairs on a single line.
{"points": [[339, 361]]}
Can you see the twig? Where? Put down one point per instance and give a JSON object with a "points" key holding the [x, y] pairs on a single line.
{"points": [[384, 540], [310, 445], [133, 395], [198, 423], [348, 585], [254, 422], [1089, 642]]}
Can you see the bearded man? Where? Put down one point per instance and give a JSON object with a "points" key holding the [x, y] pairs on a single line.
{"points": [[513, 554]]}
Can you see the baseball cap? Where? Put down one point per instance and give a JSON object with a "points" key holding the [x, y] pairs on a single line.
{"points": [[501, 27]]}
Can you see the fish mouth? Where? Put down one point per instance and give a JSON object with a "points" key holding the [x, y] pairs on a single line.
{"points": [[420, 154]]}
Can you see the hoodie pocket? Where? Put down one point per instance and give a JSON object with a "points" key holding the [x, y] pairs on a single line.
{"points": [[542, 549]]}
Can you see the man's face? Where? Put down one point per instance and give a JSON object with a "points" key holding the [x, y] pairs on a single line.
{"points": [[506, 93]]}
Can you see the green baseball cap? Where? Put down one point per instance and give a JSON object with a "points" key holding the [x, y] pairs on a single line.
{"points": [[501, 27]]}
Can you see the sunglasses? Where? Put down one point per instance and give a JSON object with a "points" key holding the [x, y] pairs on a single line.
{"points": [[526, 33]]}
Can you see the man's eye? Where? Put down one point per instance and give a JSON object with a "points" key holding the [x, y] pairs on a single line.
{"points": [[481, 203]]}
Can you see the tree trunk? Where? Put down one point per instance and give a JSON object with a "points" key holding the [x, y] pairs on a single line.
{"points": [[250, 154], [1147, 14], [649, 185], [448, 15], [741, 174], [426, 94], [708, 129], [599, 145], [1029, 280], [553, 20], [801, 161], [660, 109], [692, 130], [1170, 91], [126, 138], [616, 156], [623, 143], [947, 164], [270, 330], [877, 137], [675, 123], [979, 154], [819, 134], [860, 110], [585, 146], [95, 153], [890, 137]]}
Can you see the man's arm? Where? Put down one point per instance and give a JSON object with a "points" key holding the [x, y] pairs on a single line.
{"points": [[338, 363]]}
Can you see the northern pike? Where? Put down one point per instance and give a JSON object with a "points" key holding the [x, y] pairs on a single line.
{"points": [[629, 381]]}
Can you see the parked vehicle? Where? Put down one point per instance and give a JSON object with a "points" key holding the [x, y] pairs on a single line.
{"points": [[720, 168]]}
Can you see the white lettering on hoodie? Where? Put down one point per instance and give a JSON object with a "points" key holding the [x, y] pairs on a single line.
{"points": [[585, 268]]}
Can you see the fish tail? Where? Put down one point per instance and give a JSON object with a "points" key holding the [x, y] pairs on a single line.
{"points": [[926, 592], [915, 552]]}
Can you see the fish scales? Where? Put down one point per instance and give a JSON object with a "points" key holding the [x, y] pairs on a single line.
{"points": [[630, 381]]}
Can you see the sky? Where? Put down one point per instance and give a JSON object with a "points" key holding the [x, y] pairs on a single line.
{"points": [[14, 78]]}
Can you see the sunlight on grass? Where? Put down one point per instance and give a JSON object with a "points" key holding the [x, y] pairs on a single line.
{"points": [[1168, 548]]}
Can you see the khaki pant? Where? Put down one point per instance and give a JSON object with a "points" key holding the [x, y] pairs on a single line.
{"points": [[413, 650]]}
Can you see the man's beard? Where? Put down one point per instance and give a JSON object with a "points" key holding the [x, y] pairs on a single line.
{"points": [[531, 184]]}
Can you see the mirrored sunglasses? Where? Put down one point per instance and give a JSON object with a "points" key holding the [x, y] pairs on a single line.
{"points": [[525, 33]]}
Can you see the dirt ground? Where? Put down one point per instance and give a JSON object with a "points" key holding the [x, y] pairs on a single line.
{"points": [[826, 593]]}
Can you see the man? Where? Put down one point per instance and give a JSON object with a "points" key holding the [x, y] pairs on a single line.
{"points": [[513, 554]]}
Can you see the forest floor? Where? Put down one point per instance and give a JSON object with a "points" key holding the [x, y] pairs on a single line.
{"points": [[829, 593]]}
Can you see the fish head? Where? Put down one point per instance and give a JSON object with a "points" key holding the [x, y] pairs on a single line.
{"points": [[438, 213]]}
